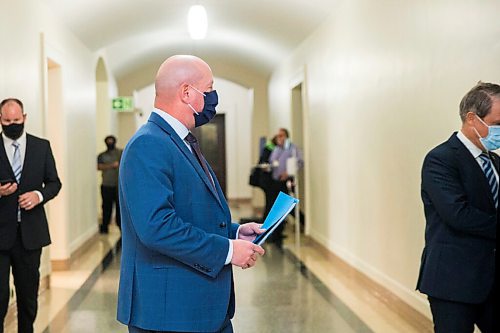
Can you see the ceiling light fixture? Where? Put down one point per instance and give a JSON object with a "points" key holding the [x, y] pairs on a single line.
{"points": [[197, 22]]}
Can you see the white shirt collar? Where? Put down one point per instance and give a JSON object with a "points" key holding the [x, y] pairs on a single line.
{"points": [[177, 126], [474, 150]]}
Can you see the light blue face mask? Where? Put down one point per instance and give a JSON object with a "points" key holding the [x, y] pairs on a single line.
{"points": [[492, 140]]}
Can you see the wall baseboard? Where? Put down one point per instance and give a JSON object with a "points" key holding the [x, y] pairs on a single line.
{"points": [[240, 200], [64, 264], [407, 303], [83, 239]]}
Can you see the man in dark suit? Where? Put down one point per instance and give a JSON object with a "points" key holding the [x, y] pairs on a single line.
{"points": [[178, 241], [29, 179], [460, 197]]}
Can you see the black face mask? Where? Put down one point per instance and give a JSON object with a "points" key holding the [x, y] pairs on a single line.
{"points": [[13, 131], [110, 146]]}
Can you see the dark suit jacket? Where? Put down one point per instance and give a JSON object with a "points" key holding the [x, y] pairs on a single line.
{"points": [[39, 173], [458, 261]]}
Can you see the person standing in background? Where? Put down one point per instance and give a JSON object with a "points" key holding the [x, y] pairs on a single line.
{"points": [[108, 162], [29, 179], [281, 180], [460, 196], [266, 180]]}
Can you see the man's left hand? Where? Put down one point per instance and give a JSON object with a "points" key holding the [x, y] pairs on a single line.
{"points": [[28, 200], [249, 231]]}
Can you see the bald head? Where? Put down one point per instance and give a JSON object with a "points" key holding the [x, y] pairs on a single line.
{"points": [[177, 70], [11, 111], [173, 86]]}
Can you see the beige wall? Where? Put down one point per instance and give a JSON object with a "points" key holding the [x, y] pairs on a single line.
{"points": [[22, 69], [383, 83]]}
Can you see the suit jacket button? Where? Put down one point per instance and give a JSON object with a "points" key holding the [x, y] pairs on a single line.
{"points": [[222, 224]]}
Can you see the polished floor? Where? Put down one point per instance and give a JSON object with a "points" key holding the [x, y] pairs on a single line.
{"points": [[289, 290], [275, 296], [93, 308]]}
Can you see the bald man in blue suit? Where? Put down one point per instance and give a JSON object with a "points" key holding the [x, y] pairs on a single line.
{"points": [[179, 243]]}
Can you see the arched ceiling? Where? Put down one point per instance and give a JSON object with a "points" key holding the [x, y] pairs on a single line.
{"points": [[133, 33]]}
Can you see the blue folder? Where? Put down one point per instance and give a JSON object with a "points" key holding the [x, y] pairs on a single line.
{"points": [[282, 206]]}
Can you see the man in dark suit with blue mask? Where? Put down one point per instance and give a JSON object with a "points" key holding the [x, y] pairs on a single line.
{"points": [[460, 197], [178, 241]]}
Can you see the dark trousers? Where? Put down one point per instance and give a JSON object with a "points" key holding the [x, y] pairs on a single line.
{"points": [[109, 197], [460, 317], [270, 197], [25, 269]]}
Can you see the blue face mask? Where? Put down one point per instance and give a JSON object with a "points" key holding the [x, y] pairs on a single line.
{"points": [[211, 100], [492, 140]]}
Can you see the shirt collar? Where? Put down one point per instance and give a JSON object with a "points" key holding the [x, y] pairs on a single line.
{"points": [[8, 141], [474, 150], [177, 126]]}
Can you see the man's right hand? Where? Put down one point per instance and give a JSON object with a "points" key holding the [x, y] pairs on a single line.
{"points": [[8, 189], [245, 253]]}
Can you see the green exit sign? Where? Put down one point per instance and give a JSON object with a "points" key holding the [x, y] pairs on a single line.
{"points": [[123, 103]]}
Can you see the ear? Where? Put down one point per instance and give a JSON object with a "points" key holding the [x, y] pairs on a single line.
{"points": [[184, 92], [470, 118]]}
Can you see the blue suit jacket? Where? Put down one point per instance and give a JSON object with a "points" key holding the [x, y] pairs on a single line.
{"points": [[175, 230], [458, 261]]}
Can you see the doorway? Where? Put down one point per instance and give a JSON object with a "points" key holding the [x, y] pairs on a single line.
{"points": [[297, 137], [102, 123], [55, 130], [212, 139]]}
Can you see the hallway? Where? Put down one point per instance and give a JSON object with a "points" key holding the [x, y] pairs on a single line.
{"points": [[287, 297], [366, 89], [287, 291], [278, 295]]}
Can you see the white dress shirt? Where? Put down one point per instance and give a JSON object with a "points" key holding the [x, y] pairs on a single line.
{"points": [[9, 149], [474, 150]]}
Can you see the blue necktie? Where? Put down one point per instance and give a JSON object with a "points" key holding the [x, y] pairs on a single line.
{"points": [[17, 167], [490, 176], [16, 161]]}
